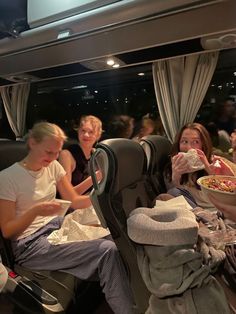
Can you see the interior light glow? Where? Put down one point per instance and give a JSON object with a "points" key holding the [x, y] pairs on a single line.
{"points": [[79, 86], [234, 73], [64, 33], [116, 65], [141, 74], [110, 62], [96, 91]]}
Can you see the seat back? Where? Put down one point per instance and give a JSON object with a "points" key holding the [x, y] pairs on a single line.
{"points": [[157, 149], [123, 188]]}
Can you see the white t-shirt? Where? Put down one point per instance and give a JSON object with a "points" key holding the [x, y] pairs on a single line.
{"points": [[26, 188]]}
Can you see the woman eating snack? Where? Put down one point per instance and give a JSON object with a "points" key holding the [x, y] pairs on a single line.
{"points": [[192, 158]]}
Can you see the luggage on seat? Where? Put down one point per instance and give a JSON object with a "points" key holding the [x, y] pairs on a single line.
{"points": [[123, 188]]}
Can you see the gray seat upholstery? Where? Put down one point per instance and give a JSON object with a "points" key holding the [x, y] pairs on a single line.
{"points": [[157, 149], [123, 188]]}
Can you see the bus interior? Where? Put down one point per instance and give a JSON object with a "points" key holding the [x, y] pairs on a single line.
{"points": [[60, 50]]}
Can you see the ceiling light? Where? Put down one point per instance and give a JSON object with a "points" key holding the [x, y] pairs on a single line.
{"points": [[141, 74], [116, 65], [63, 34], [110, 62]]}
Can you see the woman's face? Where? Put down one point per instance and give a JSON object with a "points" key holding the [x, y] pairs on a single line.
{"points": [[87, 134], [190, 139], [45, 151]]}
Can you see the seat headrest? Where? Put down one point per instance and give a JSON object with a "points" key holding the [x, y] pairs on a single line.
{"points": [[128, 158], [158, 149], [11, 152]]}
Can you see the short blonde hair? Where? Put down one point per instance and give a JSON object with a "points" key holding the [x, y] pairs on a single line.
{"points": [[95, 122], [42, 129]]}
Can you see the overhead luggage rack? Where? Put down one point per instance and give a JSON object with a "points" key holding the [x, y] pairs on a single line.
{"points": [[108, 30]]}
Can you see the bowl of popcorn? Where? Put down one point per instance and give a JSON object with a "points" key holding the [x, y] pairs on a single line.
{"points": [[222, 188]]}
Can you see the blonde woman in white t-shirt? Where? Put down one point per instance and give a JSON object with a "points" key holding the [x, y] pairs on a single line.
{"points": [[29, 213]]}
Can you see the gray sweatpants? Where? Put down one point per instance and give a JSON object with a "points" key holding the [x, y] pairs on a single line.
{"points": [[87, 259]]}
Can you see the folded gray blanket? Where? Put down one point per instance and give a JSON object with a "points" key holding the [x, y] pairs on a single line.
{"points": [[175, 274]]}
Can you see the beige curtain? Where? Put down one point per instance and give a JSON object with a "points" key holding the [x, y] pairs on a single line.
{"points": [[180, 85], [15, 100]]}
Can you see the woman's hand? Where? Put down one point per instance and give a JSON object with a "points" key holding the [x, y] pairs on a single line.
{"points": [[12, 225], [203, 158], [233, 139], [179, 167], [99, 175], [220, 167], [47, 208]]}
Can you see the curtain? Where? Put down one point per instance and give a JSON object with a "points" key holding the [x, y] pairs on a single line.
{"points": [[15, 100], [180, 85]]}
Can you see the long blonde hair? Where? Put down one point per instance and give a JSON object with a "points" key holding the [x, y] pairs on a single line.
{"points": [[42, 129]]}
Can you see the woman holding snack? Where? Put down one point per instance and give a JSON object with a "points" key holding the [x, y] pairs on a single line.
{"points": [[191, 159], [29, 214]]}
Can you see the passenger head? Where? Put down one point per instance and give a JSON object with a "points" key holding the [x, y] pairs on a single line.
{"points": [[90, 130], [121, 126], [213, 132], [227, 108], [41, 130], [148, 126], [193, 135], [45, 141]]}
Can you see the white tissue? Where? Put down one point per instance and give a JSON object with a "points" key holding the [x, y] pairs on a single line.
{"points": [[193, 160]]}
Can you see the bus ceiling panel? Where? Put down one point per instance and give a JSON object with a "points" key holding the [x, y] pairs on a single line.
{"points": [[129, 59], [152, 32], [107, 17], [55, 10]]}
